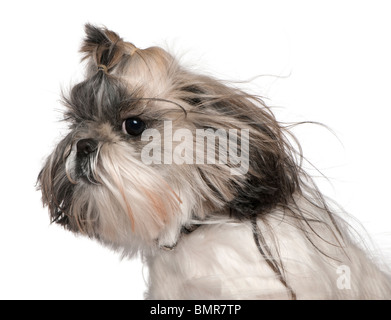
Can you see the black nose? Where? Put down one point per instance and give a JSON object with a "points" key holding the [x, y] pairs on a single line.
{"points": [[86, 146]]}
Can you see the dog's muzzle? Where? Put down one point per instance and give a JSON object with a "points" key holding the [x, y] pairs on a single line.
{"points": [[82, 161]]}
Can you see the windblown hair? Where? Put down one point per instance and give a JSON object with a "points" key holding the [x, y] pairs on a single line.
{"points": [[111, 195]]}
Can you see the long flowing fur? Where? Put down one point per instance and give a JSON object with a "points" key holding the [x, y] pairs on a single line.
{"points": [[268, 233]]}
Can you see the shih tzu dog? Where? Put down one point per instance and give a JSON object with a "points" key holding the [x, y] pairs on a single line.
{"points": [[201, 180]]}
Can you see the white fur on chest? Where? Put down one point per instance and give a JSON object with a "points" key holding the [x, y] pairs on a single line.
{"points": [[222, 262]]}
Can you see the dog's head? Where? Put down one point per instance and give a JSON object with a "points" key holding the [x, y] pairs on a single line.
{"points": [[136, 165]]}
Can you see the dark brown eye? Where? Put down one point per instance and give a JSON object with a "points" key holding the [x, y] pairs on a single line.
{"points": [[133, 126]]}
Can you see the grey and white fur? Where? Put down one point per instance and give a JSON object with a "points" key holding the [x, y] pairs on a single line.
{"points": [[203, 232]]}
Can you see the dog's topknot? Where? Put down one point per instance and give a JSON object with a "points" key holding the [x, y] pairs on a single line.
{"points": [[105, 47]]}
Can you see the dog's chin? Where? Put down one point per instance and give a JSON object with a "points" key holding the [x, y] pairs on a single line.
{"points": [[98, 213], [118, 200]]}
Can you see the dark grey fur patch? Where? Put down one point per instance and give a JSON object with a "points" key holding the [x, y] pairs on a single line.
{"points": [[96, 99]]}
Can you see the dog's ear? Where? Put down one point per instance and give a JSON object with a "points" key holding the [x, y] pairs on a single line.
{"points": [[104, 47], [272, 175]]}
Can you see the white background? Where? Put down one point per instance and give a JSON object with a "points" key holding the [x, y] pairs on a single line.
{"points": [[327, 61]]}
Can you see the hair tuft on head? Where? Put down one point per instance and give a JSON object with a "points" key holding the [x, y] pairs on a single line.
{"points": [[104, 47]]}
